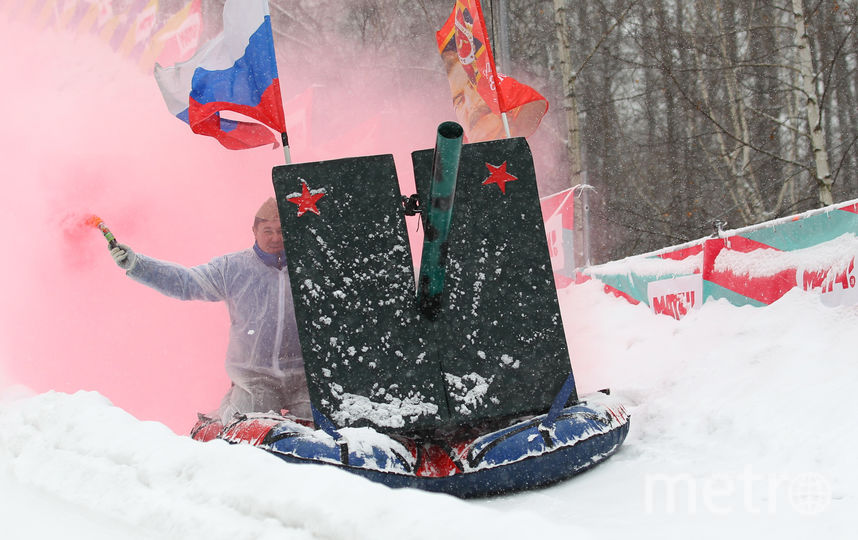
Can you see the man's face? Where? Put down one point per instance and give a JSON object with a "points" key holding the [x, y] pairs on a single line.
{"points": [[269, 236], [471, 111]]}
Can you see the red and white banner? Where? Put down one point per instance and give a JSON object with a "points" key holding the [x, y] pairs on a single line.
{"points": [[558, 214], [755, 265]]}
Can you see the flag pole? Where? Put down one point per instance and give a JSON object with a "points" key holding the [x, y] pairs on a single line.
{"points": [[494, 73], [284, 137], [503, 48]]}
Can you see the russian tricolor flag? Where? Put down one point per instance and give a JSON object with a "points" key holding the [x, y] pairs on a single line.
{"points": [[235, 71]]}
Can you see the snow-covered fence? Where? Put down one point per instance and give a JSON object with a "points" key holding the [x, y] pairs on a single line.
{"points": [[753, 265]]}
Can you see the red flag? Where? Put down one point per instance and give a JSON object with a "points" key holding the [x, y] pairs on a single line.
{"points": [[480, 93]]}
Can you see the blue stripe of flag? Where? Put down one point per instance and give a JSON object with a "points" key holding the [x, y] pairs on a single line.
{"points": [[245, 81]]}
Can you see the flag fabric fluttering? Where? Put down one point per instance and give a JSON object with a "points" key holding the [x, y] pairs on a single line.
{"points": [[235, 71], [480, 93]]}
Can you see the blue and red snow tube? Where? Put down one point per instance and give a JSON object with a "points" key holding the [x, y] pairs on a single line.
{"points": [[530, 453]]}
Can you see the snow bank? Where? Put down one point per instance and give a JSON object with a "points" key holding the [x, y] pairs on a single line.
{"points": [[648, 266], [741, 420], [740, 428], [834, 255], [83, 454]]}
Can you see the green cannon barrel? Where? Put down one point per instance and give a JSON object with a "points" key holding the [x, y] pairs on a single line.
{"points": [[437, 217]]}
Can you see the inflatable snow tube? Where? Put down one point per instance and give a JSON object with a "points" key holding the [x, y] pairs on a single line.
{"points": [[528, 454]]}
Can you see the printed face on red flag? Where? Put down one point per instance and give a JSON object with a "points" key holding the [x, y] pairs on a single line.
{"points": [[462, 44], [479, 96], [463, 39]]}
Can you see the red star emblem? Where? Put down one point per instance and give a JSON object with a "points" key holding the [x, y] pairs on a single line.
{"points": [[499, 176], [307, 200]]}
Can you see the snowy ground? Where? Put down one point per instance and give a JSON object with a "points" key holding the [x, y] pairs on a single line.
{"points": [[740, 429]]}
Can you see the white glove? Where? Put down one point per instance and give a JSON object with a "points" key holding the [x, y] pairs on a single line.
{"points": [[124, 256]]}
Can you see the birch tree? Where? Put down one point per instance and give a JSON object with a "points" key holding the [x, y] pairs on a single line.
{"points": [[807, 78]]}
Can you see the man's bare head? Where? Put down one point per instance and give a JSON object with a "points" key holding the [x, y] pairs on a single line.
{"points": [[266, 227]]}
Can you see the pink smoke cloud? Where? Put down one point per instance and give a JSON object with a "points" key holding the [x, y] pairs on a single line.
{"points": [[86, 133]]}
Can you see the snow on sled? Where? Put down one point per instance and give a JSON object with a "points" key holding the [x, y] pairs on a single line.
{"points": [[528, 454], [463, 387]]}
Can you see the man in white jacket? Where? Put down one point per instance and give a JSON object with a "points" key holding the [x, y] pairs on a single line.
{"points": [[263, 359]]}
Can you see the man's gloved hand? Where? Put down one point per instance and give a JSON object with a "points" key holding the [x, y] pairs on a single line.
{"points": [[123, 255]]}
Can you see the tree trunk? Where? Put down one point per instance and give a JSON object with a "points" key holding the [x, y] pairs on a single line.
{"points": [[570, 98], [573, 134], [814, 119]]}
